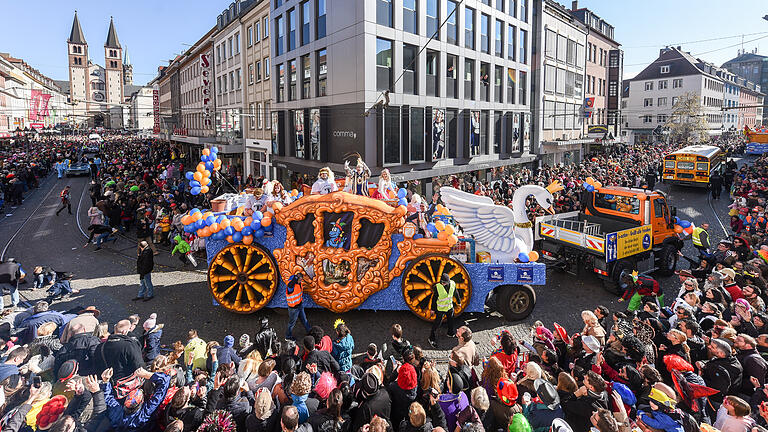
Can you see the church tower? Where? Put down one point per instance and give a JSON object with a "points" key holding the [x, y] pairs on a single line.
{"points": [[113, 66], [79, 85], [127, 69]]}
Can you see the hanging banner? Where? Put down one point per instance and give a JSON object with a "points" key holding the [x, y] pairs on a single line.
{"points": [[156, 110], [205, 68], [38, 105]]}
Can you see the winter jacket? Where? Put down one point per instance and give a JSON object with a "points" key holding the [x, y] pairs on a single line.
{"points": [[541, 417], [152, 342], [15, 419], [300, 402], [239, 407], [661, 421], [255, 424], [754, 366], [195, 349], [323, 360], [145, 263], [723, 374], [50, 341], [121, 353], [140, 420], [181, 247], [31, 323], [265, 341], [401, 401], [226, 355], [377, 405], [7, 370], [323, 421], [80, 347], [342, 352], [406, 426], [578, 410]]}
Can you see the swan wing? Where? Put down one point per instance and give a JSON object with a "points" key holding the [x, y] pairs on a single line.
{"points": [[491, 225]]}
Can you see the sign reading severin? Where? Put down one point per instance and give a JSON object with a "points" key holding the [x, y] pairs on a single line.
{"points": [[205, 68], [634, 241]]}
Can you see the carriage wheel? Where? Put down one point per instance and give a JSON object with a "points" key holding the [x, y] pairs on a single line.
{"points": [[420, 278], [243, 278]]}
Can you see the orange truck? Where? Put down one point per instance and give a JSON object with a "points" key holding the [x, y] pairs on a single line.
{"points": [[617, 229]]}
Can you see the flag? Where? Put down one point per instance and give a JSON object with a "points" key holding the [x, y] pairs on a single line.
{"points": [[589, 102]]}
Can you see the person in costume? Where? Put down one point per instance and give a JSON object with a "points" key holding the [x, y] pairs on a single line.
{"points": [[357, 178], [325, 182], [387, 188]]}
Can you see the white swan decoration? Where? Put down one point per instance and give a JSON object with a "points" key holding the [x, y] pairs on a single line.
{"points": [[505, 232]]}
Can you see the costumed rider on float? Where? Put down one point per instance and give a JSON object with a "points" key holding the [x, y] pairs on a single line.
{"points": [[325, 183], [357, 178], [640, 289]]}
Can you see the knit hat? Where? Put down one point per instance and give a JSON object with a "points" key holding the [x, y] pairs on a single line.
{"points": [[135, 398], [406, 377], [627, 396], [544, 333], [50, 412], [68, 369], [245, 340], [151, 322], [743, 303], [229, 341]]}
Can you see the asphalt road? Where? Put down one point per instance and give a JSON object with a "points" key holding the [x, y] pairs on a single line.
{"points": [[34, 235]]}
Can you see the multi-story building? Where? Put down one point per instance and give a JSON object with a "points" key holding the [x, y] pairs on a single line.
{"points": [[258, 92], [654, 93], [558, 75], [753, 67], [731, 92], [435, 101], [228, 74], [140, 103], [6, 98], [751, 103], [603, 74]]}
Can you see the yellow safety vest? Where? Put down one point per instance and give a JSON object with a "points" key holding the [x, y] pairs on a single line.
{"points": [[445, 299], [695, 237]]}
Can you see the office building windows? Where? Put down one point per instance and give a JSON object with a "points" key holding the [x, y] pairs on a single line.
{"points": [[433, 67], [512, 9], [451, 83], [410, 17], [281, 83], [485, 82], [417, 135], [511, 77], [250, 36], [511, 31], [320, 22], [524, 10], [392, 135], [500, 5], [498, 82], [452, 35], [433, 18], [292, 23], [523, 58], [469, 28], [252, 115], [258, 71], [410, 81], [322, 73], [384, 12], [306, 77], [280, 29], [383, 64], [267, 70], [305, 23], [250, 74], [499, 40], [522, 85], [266, 27], [469, 81], [484, 38], [292, 95], [257, 31]]}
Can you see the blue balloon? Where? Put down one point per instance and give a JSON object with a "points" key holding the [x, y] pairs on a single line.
{"points": [[194, 210], [417, 236], [209, 166], [190, 175], [257, 215], [200, 224], [189, 228], [590, 188], [402, 193], [229, 230], [210, 220], [677, 220], [684, 223], [269, 227], [214, 149], [247, 231], [204, 158], [220, 218], [523, 257], [402, 201], [255, 225], [237, 237], [258, 233], [212, 157], [208, 182], [585, 185], [194, 183], [195, 191], [431, 226]]}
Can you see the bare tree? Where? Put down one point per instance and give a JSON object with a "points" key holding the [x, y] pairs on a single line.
{"points": [[687, 124]]}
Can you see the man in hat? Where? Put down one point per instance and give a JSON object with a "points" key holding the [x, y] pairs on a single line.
{"points": [[544, 410], [375, 401], [729, 284], [444, 291], [723, 372], [325, 182]]}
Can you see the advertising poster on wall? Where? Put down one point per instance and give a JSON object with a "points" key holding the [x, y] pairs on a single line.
{"points": [[516, 144], [298, 125], [275, 128], [438, 134], [474, 133], [525, 145], [314, 134]]}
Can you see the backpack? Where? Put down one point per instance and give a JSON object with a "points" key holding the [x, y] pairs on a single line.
{"points": [[687, 421]]}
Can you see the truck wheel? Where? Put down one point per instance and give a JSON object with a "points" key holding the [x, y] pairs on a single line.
{"points": [[515, 302], [667, 260], [612, 284], [423, 273]]}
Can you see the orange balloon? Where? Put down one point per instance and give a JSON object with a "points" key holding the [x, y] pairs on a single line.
{"points": [[217, 164], [204, 189], [206, 174], [206, 231], [186, 219], [678, 229], [237, 224], [266, 221], [214, 227], [247, 240], [442, 235], [201, 167], [449, 229], [248, 221], [277, 206], [440, 225], [229, 239], [207, 214], [197, 216], [452, 240], [206, 151], [225, 223], [197, 176], [533, 256]]}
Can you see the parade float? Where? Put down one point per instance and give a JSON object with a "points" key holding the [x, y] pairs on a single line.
{"points": [[757, 140], [360, 252]]}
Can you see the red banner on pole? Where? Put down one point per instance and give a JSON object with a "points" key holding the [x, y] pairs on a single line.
{"points": [[38, 105]]}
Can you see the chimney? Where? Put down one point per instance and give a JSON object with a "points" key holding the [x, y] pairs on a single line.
{"points": [[574, 5], [679, 48]]}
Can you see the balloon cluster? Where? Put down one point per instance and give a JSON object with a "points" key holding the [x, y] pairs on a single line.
{"points": [[234, 229], [684, 226], [441, 210], [200, 180], [532, 256], [591, 184], [443, 231]]}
